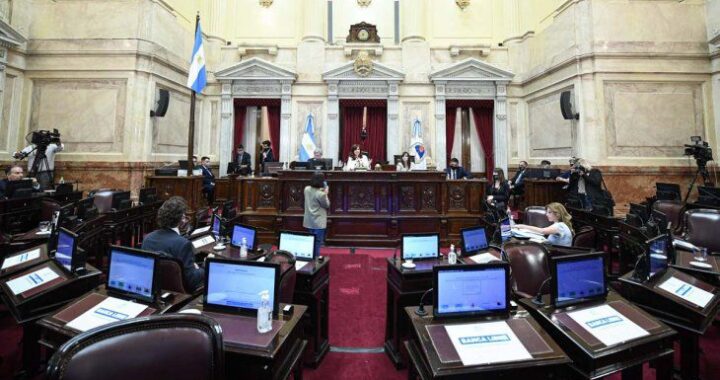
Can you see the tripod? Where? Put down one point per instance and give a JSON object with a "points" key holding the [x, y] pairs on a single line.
{"points": [[40, 168], [701, 171]]}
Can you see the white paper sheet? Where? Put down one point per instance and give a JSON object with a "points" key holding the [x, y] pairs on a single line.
{"points": [[527, 234], [200, 230], [108, 311], [205, 240], [31, 280], [21, 258], [684, 245], [484, 258], [484, 343], [46, 232], [262, 259], [300, 264], [607, 325], [689, 293]]}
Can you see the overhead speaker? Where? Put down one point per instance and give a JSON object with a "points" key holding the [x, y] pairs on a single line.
{"points": [[161, 105], [566, 106]]}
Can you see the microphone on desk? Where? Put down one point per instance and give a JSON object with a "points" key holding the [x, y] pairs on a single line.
{"points": [[538, 297], [421, 306]]}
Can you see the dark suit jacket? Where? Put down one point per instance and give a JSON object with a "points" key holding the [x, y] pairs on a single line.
{"points": [[460, 172], [169, 242], [243, 159], [519, 181], [501, 194], [593, 184], [270, 156], [209, 178], [3, 186]]}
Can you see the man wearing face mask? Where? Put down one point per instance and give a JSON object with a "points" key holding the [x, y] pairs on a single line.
{"points": [[455, 171], [517, 183]]}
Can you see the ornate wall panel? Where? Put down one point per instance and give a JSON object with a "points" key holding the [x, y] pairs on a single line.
{"points": [[549, 134], [170, 133]]}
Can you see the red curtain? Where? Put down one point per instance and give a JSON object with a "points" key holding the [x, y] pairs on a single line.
{"points": [[352, 117], [239, 132], [274, 121], [483, 116], [450, 119]]}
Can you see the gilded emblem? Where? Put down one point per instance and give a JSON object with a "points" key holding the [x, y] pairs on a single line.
{"points": [[266, 3], [364, 3], [363, 64], [462, 3]]}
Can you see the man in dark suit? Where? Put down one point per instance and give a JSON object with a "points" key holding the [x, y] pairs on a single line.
{"points": [[517, 183], [242, 161], [14, 173], [317, 160], [455, 171], [168, 240], [267, 154], [208, 180]]}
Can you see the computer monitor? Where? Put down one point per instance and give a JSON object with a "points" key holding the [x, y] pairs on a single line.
{"points": [[148, 195], [241, 231], [548, 173], [234, 286], [320, 164], [63, 188], [640, 210], [84, 208], [658, 255], [103, 200], [66, 253], [19, 189], [183, 164], [473, 240], [660, 220], [121, 200], [299, 165], [272, 168], [709, 195], [216, 229], [420, 246], [633, 220], [228, 210], [505, 229], [667, 191], [300, 244], [132, 273], [471, 290], [577, 278]]}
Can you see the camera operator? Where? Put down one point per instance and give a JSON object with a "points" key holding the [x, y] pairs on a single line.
{"points": [[585, 185], [44, 144]]}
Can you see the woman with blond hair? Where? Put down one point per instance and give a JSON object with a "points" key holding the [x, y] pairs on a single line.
{"points": [[560, 232]]}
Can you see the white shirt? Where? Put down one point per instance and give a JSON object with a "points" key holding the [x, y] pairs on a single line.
{"points": [[563, 238], [354, 164], [49, 153]]}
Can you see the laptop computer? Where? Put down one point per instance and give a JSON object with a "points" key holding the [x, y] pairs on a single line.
{"points": [[471, 290], [658, 255], [241, 231], [505, 229], [577, 279], [234, 286], [473, 240], [420, 246], [66, 252], [132, 273], [300, 244]]}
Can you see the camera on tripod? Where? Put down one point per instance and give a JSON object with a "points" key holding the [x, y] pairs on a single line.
{"points": [[700, 150], [45, 138]]}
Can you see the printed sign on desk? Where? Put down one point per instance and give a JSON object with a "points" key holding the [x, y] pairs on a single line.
{"points": [[682, 289], [607, 325], [480, 343]]}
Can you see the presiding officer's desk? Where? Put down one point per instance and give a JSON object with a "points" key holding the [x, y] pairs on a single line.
{"points": [[592, 359], [540, 192], [433, 356], [690, 320], [251, 355]]}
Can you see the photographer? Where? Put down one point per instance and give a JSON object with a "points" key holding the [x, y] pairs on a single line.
{"points": [[43, 145], [585, 189]]}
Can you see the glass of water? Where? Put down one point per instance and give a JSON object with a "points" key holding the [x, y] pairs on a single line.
{"points": [[701, 255]]}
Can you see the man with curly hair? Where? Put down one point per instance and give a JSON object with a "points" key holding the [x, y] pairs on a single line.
{"points": [[167, 239]]}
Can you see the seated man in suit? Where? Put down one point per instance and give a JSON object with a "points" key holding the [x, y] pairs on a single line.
{"points": [[242, 161], [14, 173], [208, 180], [517, 183], [168, 240], [455, 171], [317, 160]]}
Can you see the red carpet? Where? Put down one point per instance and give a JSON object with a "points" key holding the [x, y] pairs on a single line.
{"points": [[345, 366]]}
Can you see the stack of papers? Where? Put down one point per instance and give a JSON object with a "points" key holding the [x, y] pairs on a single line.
{"points": [[21, 258], [203, 242], [200, 230], [108, 311], [690, 293], [484, 258], [607, 325], [31, 280], [480, 343], [300, 264], [527, 234]]}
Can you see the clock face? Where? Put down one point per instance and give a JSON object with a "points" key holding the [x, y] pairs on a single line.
{"points": [[363, 35]]}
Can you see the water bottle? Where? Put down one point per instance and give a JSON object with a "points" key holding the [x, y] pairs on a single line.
{"points": [[452, 256], [264, 313], [62, 180], [243, 248]]}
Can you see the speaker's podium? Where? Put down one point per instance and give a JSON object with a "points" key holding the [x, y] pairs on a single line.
{"points": [[680, 300]]}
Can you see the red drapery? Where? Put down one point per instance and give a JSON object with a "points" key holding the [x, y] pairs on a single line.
{"points": [[239, 132], [274, 121], [483, 115], [352, 117], [450, 119]]}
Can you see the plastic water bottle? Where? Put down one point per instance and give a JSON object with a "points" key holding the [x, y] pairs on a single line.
{"points": [[452, 256], [264, 313], [243, 248]]}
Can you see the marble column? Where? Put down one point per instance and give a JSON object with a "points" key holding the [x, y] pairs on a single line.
{"points": [[413, 19], [332, 142], [393, 121], [440, 127], [500, 128], [215, 14], [314, 20], [285, 114], [227, 113]]}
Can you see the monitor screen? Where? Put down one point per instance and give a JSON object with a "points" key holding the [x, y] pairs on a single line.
{"points": [[66, 246], [474, 240], [83, 206], [475, 289], [148, 195], [578, 278], [14, 186], [120, 200], [667, 191], [419, 247], [640, 210], [708, 195], [241, 231], [657, 255], [505, 230], [660, 220], [132, 272], [301, 245], [236, 285], [228, 210], [216, 226]]}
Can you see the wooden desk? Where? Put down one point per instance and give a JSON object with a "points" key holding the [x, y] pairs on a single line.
{"points": [[53, 332], [244, 360], [709, 275], [548, 360], [312, 289], [690, 320], [189, 188], [540, 192], [591, 358], [607, 233], [27, 264]]}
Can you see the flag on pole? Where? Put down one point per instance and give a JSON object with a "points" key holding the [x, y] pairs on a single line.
{"points": [[197, 77], [307, 144]]}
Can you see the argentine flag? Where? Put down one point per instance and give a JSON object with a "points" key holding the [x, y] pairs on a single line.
{"points": [[307, 144], [197, 77]]}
